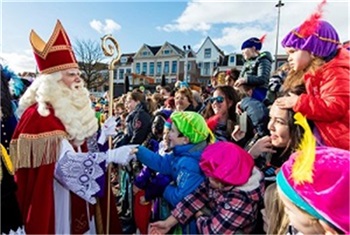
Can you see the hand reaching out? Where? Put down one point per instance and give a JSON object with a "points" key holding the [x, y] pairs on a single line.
{"points": [[159, 227], [122, 155]]}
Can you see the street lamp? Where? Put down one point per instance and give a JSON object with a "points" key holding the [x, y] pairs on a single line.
{"points": [[279, 5], [187, 50]]}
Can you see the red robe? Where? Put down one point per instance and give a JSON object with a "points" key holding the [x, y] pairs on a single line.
{"points": [[35, 149]]}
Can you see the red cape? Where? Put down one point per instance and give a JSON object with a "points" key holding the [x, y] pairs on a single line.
{"points": [[35, 148]]}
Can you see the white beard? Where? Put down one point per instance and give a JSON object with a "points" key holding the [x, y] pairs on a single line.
{"points": [[71, 105]]}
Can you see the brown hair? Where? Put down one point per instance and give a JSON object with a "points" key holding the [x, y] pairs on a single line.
{"points": [[187, 92], [230, 95], [137, 96]]}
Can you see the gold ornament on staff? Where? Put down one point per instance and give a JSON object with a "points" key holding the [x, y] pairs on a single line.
{"points": [[110, 49]]}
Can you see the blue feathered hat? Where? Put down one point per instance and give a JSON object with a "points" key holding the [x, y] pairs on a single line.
{"points": [[15, 82], [253, 42]]}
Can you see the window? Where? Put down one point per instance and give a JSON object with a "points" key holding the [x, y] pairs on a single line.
{"points": [[189, 66], [166, 52], [159, 67], [240, 60], [200, 65], [206, 68], [214, 64], [138, 68], [145, 53], [144, 67], [115, 74], [121, 74], [232, 59], [207, 53], [166, 67], [174, 67], [151, 68], [123, 60], [128, 71]]}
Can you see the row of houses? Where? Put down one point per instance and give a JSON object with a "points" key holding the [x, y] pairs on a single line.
{"points": [[153, 62]]}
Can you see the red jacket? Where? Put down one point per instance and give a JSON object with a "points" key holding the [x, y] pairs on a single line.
{"points": [[327, 100]]}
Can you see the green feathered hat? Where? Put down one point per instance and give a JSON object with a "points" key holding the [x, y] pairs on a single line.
{"points": [[193, 126]]}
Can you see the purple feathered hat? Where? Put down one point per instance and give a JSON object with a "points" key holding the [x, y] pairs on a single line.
{"points": [[314, 35]]}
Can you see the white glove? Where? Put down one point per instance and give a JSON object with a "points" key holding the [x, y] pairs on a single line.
{"points": [[107, 129], [122, 155]]}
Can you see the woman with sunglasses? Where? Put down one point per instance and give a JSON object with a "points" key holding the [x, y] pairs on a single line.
{"points": [[220, 112]]}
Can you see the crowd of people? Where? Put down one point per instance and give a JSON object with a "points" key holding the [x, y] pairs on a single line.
{"points": [[256, 152]]}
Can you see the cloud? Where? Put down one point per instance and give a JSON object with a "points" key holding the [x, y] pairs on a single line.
{"points": [[108, 28], [201, 16], [19, 62], [230, 23]]}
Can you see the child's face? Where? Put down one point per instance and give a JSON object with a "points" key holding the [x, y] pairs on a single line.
{"points": [[248, 53], [298, 59], [175, 137], [214, 183], [301, 221]]}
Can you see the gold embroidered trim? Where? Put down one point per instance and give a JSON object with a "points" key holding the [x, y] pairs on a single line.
{"points": [[34, 150], [59, 68], [317, 35]]}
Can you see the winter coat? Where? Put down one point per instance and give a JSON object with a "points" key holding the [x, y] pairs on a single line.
{"points": [[182, 165], [257, 72], [138, 126], [326, 102]]}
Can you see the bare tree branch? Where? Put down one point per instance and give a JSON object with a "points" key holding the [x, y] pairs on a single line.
{"points": [[89, 55]]}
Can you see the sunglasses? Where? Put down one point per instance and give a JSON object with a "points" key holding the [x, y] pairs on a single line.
{"points": [[218, 99]]}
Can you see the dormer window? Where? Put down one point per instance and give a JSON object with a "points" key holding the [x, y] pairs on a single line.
{"points": [[145, 53], [123, 60], [207, 53]]}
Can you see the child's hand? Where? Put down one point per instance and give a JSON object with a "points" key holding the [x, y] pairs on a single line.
{"points": [[287, 102], [159, 227]]}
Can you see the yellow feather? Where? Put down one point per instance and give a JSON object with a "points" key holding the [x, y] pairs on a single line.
{"points": [[304, 162]]}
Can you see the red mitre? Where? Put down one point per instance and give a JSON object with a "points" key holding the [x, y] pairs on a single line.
{"points": [[55, 55]]}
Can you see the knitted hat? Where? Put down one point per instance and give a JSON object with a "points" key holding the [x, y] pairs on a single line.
{"points": [[227, 162], [253, 42], [317, 181], [192, 125], [314, 35]]}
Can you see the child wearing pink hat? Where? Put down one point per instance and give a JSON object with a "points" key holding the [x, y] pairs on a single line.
{"points": [[317, 59], [232, 192], [314, 187]]}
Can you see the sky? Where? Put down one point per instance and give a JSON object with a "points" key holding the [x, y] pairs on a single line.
{"points": [[134, 23]]}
